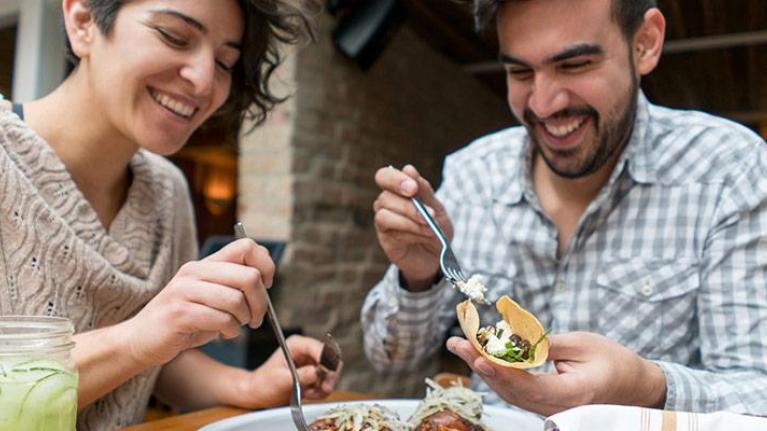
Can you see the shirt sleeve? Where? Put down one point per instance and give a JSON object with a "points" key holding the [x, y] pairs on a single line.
{"points": [[402, 329], [732, 307]]}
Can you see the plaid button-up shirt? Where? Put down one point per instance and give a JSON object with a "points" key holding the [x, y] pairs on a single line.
{"points": [[669, 260]]}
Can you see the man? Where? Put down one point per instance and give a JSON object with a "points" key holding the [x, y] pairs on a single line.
{"points": [[634, 232]]}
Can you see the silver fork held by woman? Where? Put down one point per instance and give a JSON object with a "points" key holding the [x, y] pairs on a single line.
{"points": [[295, 399]]}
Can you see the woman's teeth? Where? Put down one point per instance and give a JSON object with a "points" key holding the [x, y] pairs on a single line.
{"points": [[564, 130], [173, 105]]}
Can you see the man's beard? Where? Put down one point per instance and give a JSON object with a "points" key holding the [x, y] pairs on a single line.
{"points": [[611, 136]]}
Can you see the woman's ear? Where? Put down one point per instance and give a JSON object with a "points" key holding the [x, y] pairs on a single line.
{"points": [[80, 26], [648, 41]]}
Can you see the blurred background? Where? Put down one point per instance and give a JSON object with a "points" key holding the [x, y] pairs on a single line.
{"points": [[388, 82]]}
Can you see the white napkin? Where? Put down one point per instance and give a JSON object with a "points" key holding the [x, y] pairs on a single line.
{"points": [[625, 418]]}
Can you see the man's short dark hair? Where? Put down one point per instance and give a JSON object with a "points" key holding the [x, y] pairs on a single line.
{"points": [[268, 24], [629, 14]]}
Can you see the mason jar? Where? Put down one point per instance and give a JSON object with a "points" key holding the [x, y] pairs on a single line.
{"points": [[38, 383]]}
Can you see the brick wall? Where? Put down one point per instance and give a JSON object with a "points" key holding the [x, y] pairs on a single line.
{"points": [[307, 176]]}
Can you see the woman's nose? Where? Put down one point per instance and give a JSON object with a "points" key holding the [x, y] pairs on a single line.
{"points": [[200, 72]]}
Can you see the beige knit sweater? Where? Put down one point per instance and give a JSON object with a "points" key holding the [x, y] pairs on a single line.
{"points": [[56, 258]]}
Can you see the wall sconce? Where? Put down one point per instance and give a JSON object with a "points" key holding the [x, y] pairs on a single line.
{"points": [[218, 189]]}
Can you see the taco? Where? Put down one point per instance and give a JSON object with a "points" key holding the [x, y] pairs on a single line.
{"points": [[359, 417], [455, 408], [517, 341]]}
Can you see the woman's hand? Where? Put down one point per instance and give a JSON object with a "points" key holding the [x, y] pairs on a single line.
{"points": [[271, 384], [206, 299]]}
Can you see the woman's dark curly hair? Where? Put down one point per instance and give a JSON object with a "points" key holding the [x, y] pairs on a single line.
{"points": [[268, 25]]}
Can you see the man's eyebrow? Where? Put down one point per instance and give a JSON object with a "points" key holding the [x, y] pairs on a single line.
{"points": [[194, 23], [573, 51], [577, 51]]}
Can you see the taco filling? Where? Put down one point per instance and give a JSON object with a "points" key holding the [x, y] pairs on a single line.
{"points": [[518, 341], [501, 342]]}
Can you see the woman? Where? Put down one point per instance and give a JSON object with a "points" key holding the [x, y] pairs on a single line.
{"points": [[95, 225]]}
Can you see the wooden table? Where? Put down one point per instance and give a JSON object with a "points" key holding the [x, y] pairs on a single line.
{"points": [[195, 420]]}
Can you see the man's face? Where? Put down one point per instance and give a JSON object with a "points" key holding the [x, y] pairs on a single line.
{"points": [[571, 80]]}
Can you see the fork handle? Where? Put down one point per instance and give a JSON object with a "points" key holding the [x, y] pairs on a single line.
{"points": [[429, 220]]}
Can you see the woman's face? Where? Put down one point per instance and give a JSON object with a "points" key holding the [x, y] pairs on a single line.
{"points": [[165, 68]]}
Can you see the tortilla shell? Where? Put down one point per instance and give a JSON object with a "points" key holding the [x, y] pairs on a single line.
{"points": [[522, 323]]}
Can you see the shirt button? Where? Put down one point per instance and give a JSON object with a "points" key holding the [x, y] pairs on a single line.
{"points": [[647, 289]]}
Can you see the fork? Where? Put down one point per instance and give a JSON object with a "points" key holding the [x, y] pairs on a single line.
{"points": [[296, 410], [447, 260]]}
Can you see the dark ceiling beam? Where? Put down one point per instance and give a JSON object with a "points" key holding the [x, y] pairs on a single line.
{"points": [[671, 47], [452, 38]]}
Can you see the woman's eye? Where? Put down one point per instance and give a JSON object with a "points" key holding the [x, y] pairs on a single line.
{"points": [[170, 38], [520, 74], [223, 66]]}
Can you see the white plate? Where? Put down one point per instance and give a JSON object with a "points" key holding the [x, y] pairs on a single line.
{"points": [[496, 418]]}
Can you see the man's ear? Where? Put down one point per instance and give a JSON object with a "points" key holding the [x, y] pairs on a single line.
{"points": [[80, 26], [648, 41]]}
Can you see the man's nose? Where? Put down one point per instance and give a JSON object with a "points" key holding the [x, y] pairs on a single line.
{"points": [[200, 72], [547, 96]]}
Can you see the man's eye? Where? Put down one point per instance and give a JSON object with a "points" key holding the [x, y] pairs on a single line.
{"points": [[575, 65], [170, 38]]}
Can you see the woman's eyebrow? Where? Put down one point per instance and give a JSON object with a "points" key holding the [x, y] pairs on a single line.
{"points": [[193, 23]]}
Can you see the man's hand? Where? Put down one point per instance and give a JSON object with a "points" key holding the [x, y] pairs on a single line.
{"points": [[402, 232], [590, 369], [270, 384]]}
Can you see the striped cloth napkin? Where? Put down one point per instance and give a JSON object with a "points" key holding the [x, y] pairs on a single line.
{"points": [[625, 418]]}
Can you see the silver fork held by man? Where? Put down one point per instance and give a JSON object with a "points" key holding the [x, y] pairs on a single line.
{"points": [[448, 263], [295, 399]]}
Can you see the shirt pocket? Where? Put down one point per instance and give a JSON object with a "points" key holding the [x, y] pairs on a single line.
{"points": [[647, 305]]}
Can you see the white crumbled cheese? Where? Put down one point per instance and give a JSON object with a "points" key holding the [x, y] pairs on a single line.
{"points": [[496, 346], [473, 288]]}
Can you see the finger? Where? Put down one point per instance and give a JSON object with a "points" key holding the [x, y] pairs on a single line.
{"points": [[222, 298], [304, 350], [425, 190], [192, 318], [387, 221], [396, 181], [399, 205], [307, 376], [247, 252], [246, 279], [464, 350]]}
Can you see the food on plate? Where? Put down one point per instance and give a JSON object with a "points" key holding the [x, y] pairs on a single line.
{"points": [[473, 288], [448, 409], [517, 341], [359, 417]]}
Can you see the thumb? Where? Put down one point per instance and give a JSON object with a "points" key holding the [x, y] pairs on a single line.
{"points": [[247, 252], [307, 376], [570, 346]]}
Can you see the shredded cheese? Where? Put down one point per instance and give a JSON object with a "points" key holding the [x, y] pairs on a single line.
{"points": [[460, 400]]}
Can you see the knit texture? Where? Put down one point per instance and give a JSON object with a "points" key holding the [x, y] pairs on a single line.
{"points": [[57, 259]]}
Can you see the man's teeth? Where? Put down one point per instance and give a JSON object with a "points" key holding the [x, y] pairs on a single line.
{"points": [[177, 107], [562, 131]]}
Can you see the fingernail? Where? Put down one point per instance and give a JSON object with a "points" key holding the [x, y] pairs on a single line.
{"points": [[486, 370], [408, 186]]}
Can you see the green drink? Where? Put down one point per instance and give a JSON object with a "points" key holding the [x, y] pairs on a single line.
{"points": [[38, 387]]}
